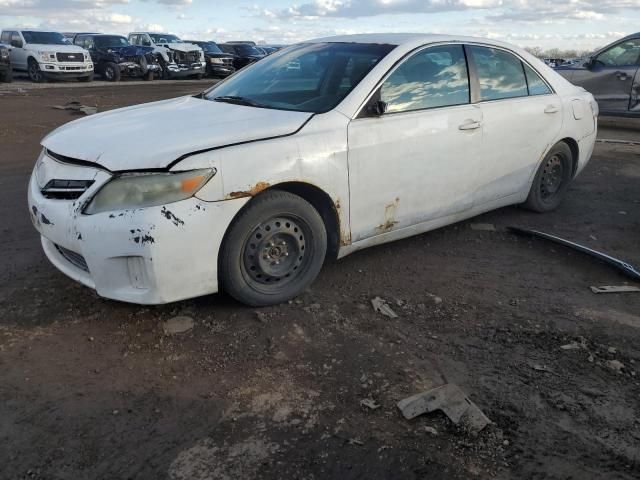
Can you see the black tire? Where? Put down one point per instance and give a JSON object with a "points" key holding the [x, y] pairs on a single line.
{"points": [[273, 250], [33, 69], [111, 72], [147, 77], [200, 76], [8, 76], [88, 78], [552, 180]]}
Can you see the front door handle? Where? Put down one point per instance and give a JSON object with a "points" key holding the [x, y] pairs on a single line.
{"points": [[551, 109], [470, 125]]}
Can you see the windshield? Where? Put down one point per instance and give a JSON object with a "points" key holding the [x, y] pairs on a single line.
{"points": [[248, 50], [306, 78], [111, 41], [209, 47], [164, 38], [45, 38]]}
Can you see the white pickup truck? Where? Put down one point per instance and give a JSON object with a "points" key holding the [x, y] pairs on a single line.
{"points": [[46, 55], [178, 59]]}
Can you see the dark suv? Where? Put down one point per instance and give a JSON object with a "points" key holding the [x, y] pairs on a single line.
{"points": [[611, 76], [113, 56], [6, 73], [219, 64], [243, 53]]}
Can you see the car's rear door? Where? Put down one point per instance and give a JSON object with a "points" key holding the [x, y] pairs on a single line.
{"points": [[521, 118], [419, 160], [610, 76], [18, 52]]}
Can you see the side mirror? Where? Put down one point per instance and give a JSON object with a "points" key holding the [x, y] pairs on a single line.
{"points": [[16, 43], [377, 108], [590, 63]]}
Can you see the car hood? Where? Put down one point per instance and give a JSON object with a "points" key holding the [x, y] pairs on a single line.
{"points": [[181, 47], [128, 51], [56, 48], [153, 135]]}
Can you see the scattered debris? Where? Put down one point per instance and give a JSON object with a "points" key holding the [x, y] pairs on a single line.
{"points": [[452, 401], [177, 325], [431, 430], [77, 107], [436, 300], [575, 345], [625, 267], [483, 227], [615, 289], [615, 365], [369, 403], [616, 141], [381, 306]]}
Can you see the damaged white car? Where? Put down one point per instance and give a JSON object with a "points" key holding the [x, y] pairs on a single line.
{"points": [[250, 186]]}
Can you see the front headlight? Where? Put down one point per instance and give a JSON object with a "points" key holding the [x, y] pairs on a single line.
{"points": [[139, 190], [87, 56], [216, 60], [4, 52], [47, 56]]}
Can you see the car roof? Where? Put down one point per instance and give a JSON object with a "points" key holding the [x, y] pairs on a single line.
{"points": [[9, 29], [405, 39]]}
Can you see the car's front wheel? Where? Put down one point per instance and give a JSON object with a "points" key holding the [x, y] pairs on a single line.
{"points": [[111, 72], [552, 180], [35, 74], [8, 76], [273, 250]]}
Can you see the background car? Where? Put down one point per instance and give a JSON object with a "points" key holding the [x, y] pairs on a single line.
{"points": [[611, 75], [219, 63], [45, 54], [177, 58], [113, 56], [243, 53], [6, 73]]}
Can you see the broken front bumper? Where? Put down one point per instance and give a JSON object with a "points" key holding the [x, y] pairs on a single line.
{"points": [[186, 70], [134, 69], [146, 256]]}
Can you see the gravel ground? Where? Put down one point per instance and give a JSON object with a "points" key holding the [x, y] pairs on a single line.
{"points": [[91, 388]]}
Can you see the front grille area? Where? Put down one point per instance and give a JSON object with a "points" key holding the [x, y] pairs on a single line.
{"points": [[70, 57], [65, 189], [186, 57], [73, 258], [227, 62]]}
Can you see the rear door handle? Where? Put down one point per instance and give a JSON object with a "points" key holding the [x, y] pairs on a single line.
{"points": [[551, 109], [470, 125], [621, 75]]}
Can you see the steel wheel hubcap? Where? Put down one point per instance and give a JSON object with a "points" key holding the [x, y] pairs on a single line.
{"points": [[275, 250], [552, 176]]}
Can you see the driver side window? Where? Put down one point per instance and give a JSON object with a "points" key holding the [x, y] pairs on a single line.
{"points": [[434, 77], [625, 53]]}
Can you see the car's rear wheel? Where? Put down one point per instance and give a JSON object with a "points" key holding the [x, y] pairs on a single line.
{"points": [[111, 72], [552, 180], [33, 69], [8, 76], [273, 250]]}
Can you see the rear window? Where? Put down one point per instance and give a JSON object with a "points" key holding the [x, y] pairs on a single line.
{"points": [[500, 74]]}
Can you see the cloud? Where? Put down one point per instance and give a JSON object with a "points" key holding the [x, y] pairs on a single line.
{"points": [[515, 10]]}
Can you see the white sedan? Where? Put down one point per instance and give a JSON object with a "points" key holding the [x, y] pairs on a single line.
{"points": [[251, 185]]}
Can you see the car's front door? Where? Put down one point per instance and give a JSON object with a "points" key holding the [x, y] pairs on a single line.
{"points": [[522, 117], [18, 52], [610, 76], [419, 160]]}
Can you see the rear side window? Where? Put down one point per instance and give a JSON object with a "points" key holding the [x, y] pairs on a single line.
{"points": [[5, 37], [536, 85], [500, 74], [434, 77]]}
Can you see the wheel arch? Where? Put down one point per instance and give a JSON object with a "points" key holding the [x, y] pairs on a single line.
{"points": [[575, 153], [318, 198]]}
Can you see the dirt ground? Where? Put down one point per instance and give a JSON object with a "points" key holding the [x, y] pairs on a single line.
{"points": [[94, 389]]}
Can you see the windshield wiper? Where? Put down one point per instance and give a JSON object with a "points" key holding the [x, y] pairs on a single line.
{"points": [[238, 100]]}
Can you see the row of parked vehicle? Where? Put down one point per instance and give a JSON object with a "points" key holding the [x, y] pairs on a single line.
{"points": [[48, 55]]}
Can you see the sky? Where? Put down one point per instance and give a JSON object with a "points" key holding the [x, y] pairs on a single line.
{"points": [[565, 24]]}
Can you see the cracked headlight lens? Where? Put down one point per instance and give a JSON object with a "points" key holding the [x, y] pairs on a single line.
{"points": [[140, 190]]}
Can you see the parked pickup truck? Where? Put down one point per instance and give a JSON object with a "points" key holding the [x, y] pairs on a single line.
{"points": [[177, 58], [46, 55], [219, 64], [6, 73], [113, 56]]}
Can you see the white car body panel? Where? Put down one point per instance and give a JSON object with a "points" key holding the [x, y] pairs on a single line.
{"points": [[387, 177]]}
